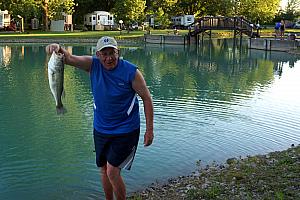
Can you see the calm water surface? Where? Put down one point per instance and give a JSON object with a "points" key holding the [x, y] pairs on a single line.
{"points": [[211, 103]]}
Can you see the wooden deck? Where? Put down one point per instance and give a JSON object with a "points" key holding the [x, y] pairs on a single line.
{"points": [[239, 25]]}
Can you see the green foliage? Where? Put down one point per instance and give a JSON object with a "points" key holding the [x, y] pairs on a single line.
{"points": [[213, 192], [129, 10], [209, 193], [36, 8], [185, 7], [165, 5], [24, 8], [291, 12], [257, 10], [194, 194], [57, 7], [279, 195], [293, 6], [162, 19], [286, 161]]}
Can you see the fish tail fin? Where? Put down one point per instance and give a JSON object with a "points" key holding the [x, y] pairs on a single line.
{"points": [[60, 110]]}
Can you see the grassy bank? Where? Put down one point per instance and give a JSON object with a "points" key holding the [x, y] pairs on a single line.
{"points": [[272, 176], [79, 34], [122, 34], [92, 36]]}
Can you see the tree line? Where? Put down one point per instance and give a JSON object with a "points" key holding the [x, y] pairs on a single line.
{"points": [[257, 11]]}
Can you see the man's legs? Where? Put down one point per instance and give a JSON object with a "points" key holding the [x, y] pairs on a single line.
{"points": [[113, 182], [107, 187]]}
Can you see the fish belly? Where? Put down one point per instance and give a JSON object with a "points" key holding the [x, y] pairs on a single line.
{"points": [[56, 79]]}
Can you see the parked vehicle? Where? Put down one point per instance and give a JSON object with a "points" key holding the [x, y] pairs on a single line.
{"points": [[297, 24], [4, 19], [99, 20], [183, 21], [289, 24]]}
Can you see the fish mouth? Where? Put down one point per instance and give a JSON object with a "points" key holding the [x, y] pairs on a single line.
{"points": [[60, 55]]}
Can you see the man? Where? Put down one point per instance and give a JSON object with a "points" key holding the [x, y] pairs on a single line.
{"points": [[277, 27], [282, 28], [115, 83]]}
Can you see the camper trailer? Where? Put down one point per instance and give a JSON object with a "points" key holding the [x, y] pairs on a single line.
{"points": [[4, 19], [183, 21], [62, 24], [99, 20], [68, 22]]}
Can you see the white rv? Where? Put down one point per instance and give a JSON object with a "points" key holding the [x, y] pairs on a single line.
{"points": [[62, 24], [68, 22], [4, 19], [183, 21], [99, 20]]}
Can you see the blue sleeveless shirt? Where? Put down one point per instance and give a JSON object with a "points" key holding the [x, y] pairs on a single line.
{"points": [[116, 106]]}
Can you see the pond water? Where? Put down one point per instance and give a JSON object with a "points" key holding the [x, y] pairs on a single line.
{"points": [[212, 102]]}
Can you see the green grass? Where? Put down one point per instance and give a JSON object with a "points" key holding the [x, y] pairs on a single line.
{"points": [[75, 34], [210, 193], [82, 34], [120, 35]]}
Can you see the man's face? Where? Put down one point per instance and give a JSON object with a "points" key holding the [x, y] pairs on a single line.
{"points": [[108, 57]]}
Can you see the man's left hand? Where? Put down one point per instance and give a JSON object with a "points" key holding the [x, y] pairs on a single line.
{"points": [[148, 138]]}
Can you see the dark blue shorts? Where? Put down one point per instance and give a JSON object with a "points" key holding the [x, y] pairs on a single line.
{"points": [[117, 150]]}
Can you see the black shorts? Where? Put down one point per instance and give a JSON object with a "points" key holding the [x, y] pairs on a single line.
{"points": [[117, 150]]}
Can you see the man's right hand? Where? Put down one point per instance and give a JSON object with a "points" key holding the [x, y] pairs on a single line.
{"points": [[52, 47]]}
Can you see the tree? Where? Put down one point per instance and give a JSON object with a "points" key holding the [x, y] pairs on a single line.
{"points": [[25, 8], [189, 7], [293, 6], [256, 10], [204, 7], [165, 5], [161, 11], [57, 7], [129, 10], [51, 9], [161, 19], [292, 10]]}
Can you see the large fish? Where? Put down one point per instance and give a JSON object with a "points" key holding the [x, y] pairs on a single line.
{"points": [[56, 79]]}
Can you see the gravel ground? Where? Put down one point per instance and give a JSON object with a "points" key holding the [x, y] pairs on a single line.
{"points": [[272, 176]]}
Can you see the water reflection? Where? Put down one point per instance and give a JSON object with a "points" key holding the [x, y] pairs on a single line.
{"points": [[5, 56], [278, 69], [175, 71]]}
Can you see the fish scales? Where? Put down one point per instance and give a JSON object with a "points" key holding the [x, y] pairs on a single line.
{"points": [[56, 79]]}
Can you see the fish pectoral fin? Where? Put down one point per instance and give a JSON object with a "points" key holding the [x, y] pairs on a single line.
{"points": [[63, 94]]}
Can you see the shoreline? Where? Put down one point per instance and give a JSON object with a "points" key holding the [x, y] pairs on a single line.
{"points": [[66, 40], [275, 175], [92, 41]]}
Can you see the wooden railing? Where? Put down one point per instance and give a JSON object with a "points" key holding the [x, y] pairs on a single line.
{"points": [[224, 23]]}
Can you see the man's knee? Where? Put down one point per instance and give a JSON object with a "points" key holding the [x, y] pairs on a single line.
{"points": [[112, 172]]}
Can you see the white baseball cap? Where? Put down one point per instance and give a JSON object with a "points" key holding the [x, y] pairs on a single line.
{"points": [[106, 41]]}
